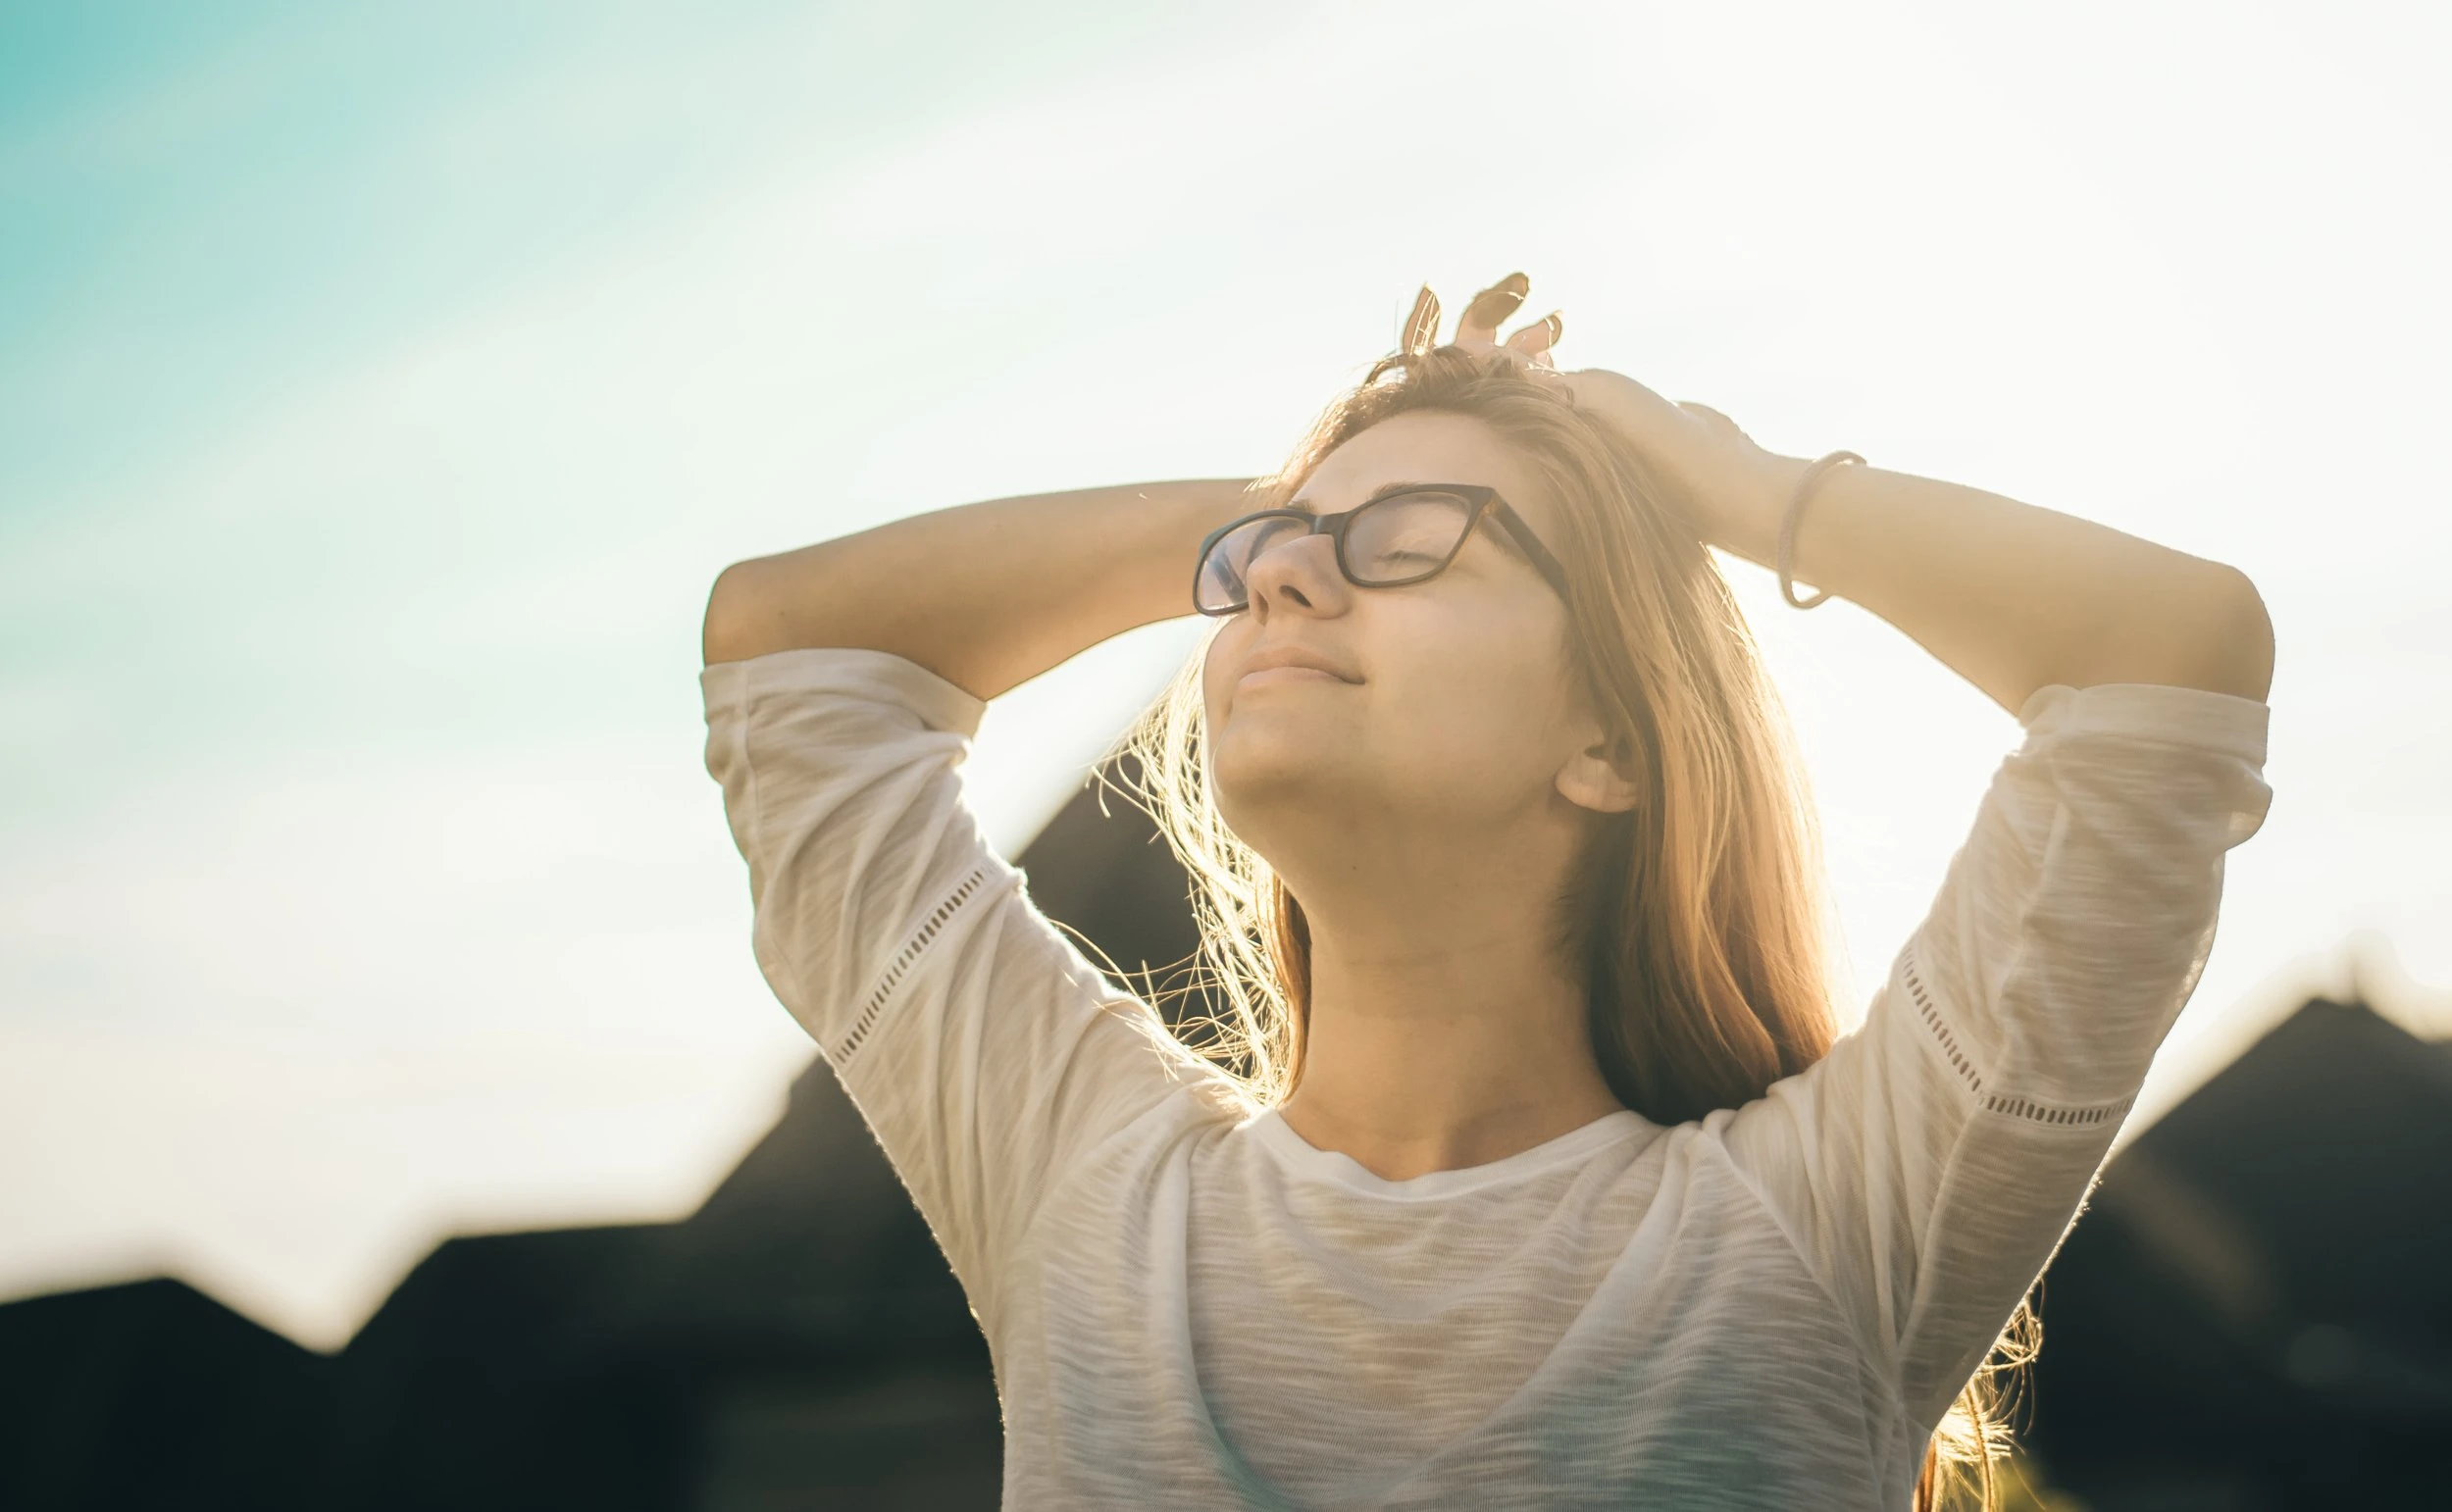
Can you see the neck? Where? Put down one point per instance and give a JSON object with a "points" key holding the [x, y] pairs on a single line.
{"points": [[1443, 1032]]}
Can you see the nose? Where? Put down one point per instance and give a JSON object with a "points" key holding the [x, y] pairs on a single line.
{"points": [[1299, 574]]}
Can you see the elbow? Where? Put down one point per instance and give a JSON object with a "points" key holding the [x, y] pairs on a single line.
{"points": [[2242, 663], [2203, 626], [728, 633]]}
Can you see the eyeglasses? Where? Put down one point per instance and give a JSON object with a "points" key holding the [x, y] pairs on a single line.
{"points": [[1408, 533]]}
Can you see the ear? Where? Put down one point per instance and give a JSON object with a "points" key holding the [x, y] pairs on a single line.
{"points": [[1603, 776]]}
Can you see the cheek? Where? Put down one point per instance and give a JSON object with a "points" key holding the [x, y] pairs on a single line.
{"points": [[1472, 716], [1214, 662], [1484, 708]]}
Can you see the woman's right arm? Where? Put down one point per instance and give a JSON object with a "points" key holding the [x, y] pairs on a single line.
{"points": [[986, 595], [843, 683]]}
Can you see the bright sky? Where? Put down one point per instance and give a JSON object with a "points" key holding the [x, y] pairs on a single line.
{"points": [[380, 389]]}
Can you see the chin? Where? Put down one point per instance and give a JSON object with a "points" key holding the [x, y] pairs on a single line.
{"points": [[1254, 779]]}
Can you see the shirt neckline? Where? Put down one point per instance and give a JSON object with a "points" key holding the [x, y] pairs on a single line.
{"points": [[1301, 1158]]}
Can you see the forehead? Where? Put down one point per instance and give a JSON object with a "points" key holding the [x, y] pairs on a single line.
{"points": [[1425, 447]]}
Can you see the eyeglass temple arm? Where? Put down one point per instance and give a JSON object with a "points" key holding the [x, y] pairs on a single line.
{"points": [[1523, 534]]}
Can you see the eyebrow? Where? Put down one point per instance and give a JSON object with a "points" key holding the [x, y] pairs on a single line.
{"points": [[1306, 506]]}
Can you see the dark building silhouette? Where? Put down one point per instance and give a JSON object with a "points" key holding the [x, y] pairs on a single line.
{"points": [[2251, 1316], [2256, 1311]]}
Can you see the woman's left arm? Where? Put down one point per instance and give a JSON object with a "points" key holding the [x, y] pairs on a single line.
{"points": [[1926, 1168], [2012, 596]]}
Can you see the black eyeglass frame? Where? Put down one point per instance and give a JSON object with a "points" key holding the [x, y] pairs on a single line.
{"points": [[1483, 498]]}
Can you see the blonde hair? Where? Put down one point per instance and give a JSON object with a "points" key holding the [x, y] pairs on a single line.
{"points": [[1700, 914]]}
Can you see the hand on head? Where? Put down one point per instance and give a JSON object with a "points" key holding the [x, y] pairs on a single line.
{"points": [[1728, 489], [1477, 329]]}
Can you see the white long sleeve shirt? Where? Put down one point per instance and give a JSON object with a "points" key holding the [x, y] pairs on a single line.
{"points": [[1189, 1306]]}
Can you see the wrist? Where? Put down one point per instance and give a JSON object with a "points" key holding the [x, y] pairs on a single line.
{"points": [[1789, 559], [1752, 529]]}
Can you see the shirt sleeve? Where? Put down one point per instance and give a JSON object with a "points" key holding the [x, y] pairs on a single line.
{"points": [[1928, 1167], [983, 1048]]}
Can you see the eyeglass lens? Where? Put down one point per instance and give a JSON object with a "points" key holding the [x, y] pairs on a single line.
{"points": [[1398, 539]]}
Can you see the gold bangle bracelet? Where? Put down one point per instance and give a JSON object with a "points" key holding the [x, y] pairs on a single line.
{"points": [[1788, 523]]}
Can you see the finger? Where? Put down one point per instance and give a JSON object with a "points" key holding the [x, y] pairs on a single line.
{"points": [[1419, 332], [1481, 318], [1539, 336], [1530, 345]]}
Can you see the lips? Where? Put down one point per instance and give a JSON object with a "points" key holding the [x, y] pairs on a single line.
{"points": [[1269, 657]]}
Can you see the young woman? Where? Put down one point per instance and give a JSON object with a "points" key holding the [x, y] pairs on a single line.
{"points": [[1535, 1175]]}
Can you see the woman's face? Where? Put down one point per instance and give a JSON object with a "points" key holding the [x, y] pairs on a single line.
{"points": [[1457, 708]]}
